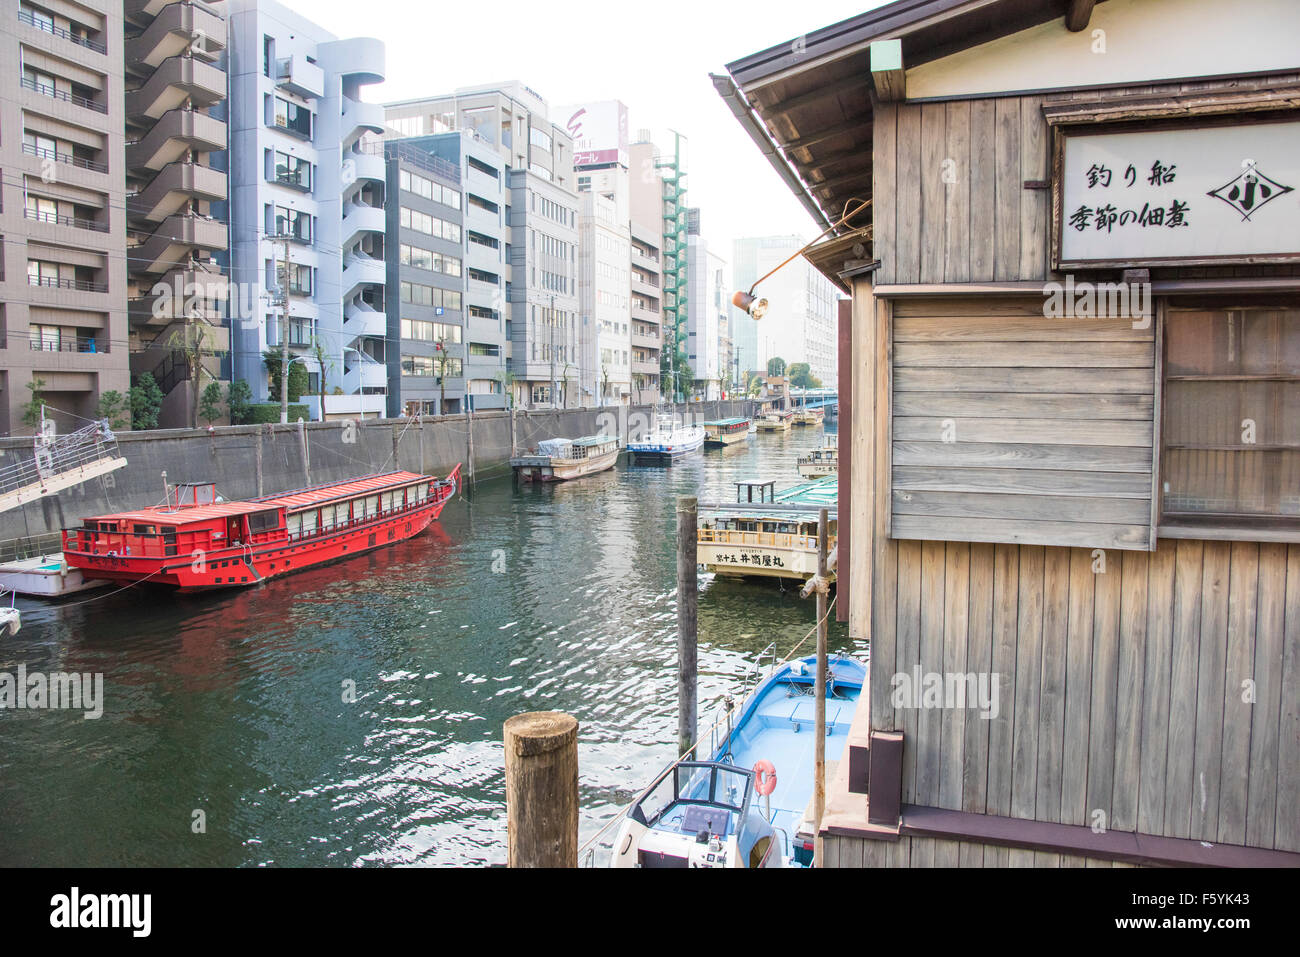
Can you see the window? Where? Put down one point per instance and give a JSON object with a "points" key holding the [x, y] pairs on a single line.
{"points": [[1231, 431], [293, 118], [268, 54], [292, 171], [539, 139], [293, 223], [418, 366]]}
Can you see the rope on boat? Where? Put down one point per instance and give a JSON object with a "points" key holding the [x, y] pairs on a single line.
{"points": [[829, 608], [110, 594]]}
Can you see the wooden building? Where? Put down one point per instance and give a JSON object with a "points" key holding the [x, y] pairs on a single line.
{"points": [[1070, 420]]}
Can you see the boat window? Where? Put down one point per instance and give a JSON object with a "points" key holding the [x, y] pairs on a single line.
{"points": [[327, 517], [263, 521], [729, 788], [386, 501], [295, 525], [693, 783], [343, 512], [309, 522], [144, 530], [108, 526], [372, 506], [658, 800], [748, 526], [424, 491]]}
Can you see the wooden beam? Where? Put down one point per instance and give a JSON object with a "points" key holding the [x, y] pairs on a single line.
{"points": [[812, 139], [857, 176], [860, 152], [887, 70], [1078, 14], [782, 107]]}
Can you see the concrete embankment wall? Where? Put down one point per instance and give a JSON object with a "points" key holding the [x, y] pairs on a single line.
{"points": [[247, 461]]}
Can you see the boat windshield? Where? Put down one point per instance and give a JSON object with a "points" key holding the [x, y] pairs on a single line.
{"points": [[694, 783]]}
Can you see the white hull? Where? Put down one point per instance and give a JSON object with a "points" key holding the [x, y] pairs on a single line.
{"points": [[45, 577], [819, 470], [544, 468]]}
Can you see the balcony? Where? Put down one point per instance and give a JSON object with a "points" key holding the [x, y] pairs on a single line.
{"points": [[640, 341], [176, 185], [641, 367], [54, 219], [75, 285], [358, 219], [175, 239], [361, 320], [295, 74], [172, 136], [361, 271], [177, 80], [41, 153], [177, 28], [87, 345], [36, 23], [97, 106]]}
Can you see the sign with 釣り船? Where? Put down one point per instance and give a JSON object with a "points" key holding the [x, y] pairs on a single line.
{"points": [[1178, 196]]}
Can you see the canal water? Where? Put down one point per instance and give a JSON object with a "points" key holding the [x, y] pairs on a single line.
{"points": [[226, 740]]}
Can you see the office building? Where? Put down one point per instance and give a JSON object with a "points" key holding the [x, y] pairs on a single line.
{"points": [[646, 211], [800, 321], [305, 187], [63, 278], [540, 262], [707, 303]]}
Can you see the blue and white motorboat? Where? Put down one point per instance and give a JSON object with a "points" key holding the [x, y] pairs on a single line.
{"points": [[748, 805], [669, 441]]}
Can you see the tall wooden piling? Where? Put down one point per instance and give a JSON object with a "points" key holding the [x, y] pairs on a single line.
{"points": [[819, 762], [469, 431], [688, 594], [542, 789]]}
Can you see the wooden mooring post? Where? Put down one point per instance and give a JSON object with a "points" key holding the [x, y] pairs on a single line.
{"points": [[469, 432], [819, 761], [688, 595], [542, 789]]}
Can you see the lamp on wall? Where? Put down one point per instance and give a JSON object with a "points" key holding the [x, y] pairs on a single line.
{"points": [[756, 307]]}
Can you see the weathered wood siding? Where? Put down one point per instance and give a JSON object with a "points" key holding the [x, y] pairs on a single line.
{"points": [[1012, 427], [949, 199]]}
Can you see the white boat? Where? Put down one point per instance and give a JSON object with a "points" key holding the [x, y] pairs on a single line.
{"points": [[11, 619], [821, 462], [807, 416], [46, 576], [773, 536], [722, 432], [669, 441], [558, 460]]}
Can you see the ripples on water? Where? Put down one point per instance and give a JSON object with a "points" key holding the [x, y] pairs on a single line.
{"points": [[231, 703]]}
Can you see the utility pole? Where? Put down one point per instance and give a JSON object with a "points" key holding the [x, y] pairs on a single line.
{"points": [[284, 336]]}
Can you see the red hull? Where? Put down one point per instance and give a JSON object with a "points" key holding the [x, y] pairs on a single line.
{"points": [[237, 566]]}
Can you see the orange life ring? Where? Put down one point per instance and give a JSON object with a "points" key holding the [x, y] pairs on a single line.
{"points": [[766, 774]]}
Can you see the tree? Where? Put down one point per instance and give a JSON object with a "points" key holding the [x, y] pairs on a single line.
{"points": [[210, 404], [239, 401], [776, 366], [299, 379], [507, 380], [801, 376], [189, 342], [116, 408], [146, 402], [33, 410], [441, 358]]}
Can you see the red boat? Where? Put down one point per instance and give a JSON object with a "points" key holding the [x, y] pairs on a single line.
{"points": [[198, 542]]}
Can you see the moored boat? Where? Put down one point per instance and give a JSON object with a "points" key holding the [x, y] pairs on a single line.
{"points": [[807, 416], [776, 420], [557, 460], [723, 432], [821, 462], [669, 441], [748, 805], [196, 541], [773, 537]]}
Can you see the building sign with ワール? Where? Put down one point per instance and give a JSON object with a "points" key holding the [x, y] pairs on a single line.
{"points": [[1178, 196]]}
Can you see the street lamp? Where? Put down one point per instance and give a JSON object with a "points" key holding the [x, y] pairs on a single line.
{"points": [[757, 308]]}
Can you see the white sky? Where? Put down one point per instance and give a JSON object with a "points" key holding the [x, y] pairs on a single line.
{"points": [[655, 56]]}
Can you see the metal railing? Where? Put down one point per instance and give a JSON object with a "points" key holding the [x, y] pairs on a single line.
{"points": [[54, 219], [80, 285], [31, 546], [29, 84], [723, 536], [33, 21], [82, 344], [31, 149], [64, 454]]}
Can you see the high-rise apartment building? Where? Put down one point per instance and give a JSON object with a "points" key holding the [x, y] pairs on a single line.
{"points": [[676, 309], [800, 325], [176, 185], [708, 298], [63, 265], [446, 253], [540, 282], [646, 209], [305, 185]]}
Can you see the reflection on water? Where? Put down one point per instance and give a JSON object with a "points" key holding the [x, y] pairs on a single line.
{"points": [[548, 597]]}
